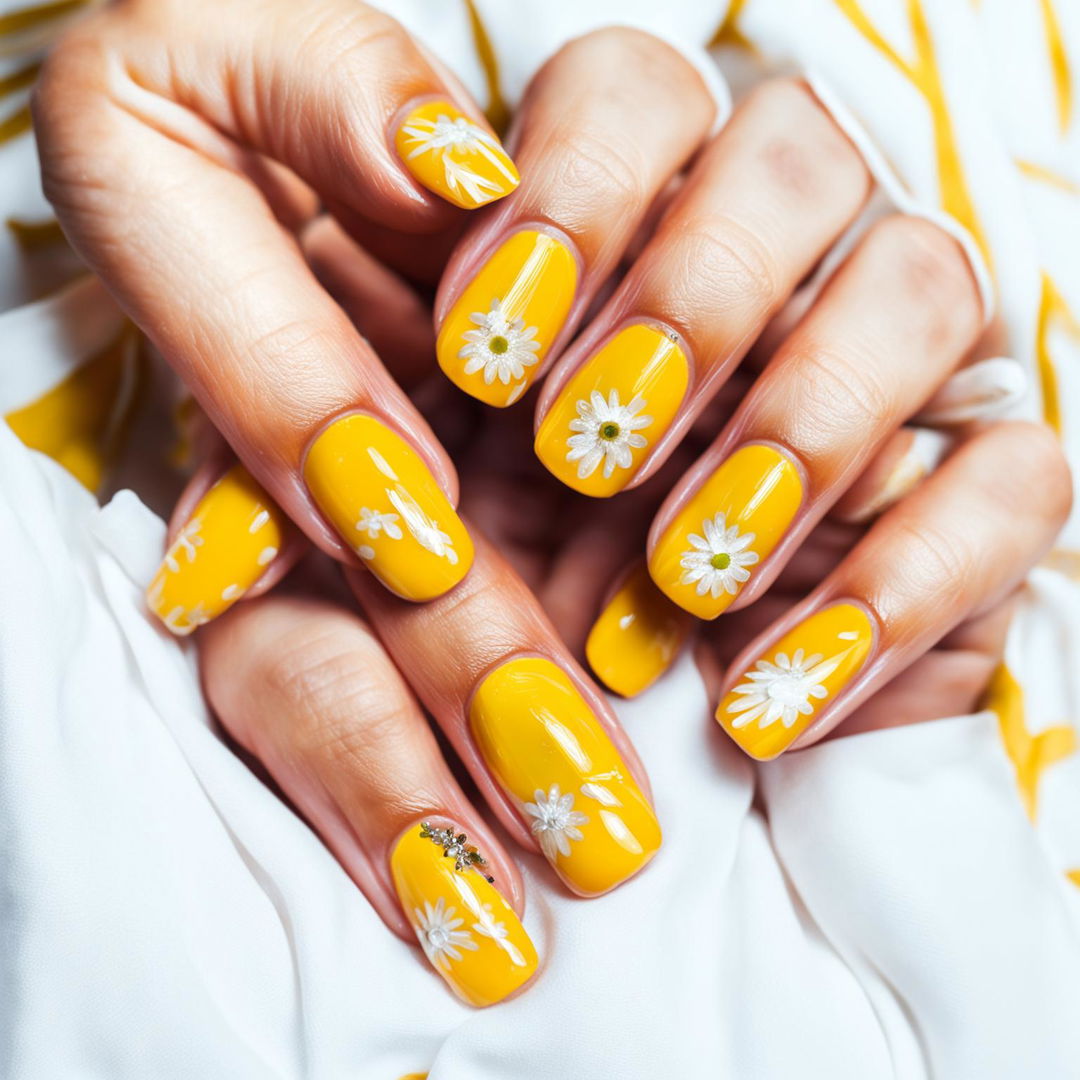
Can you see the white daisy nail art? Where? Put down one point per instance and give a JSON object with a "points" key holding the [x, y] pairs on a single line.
{"points": [[501, 348], [371, 523], [555, 821], [606, 432], [439, 933], [448, 136], [783, 689], [717, 562]]}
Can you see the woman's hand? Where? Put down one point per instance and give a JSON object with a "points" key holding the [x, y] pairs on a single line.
{"points": [[184, 167], [817, 426]]}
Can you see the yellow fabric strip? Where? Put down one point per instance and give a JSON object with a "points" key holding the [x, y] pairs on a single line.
{"points": [[1059, 65], [498, 113], [1030, 754], [29, 18], [1047, 176], [924, 75], [19, 80], [35, 235], [11, 127]]}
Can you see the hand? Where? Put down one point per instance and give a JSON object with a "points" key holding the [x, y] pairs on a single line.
{"points": [[185, 168], [818, 424]]}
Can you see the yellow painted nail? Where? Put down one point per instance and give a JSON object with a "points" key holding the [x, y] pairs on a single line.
{"points": [[376, 491], [636, 637], [550, 754], [732, 523], [469, 933], [778, 698], [615, 408], [501, 327], [449, 154], [226, 546]]}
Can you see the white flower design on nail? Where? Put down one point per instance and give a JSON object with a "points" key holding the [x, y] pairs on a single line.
{"points": [[445, 136], [372, 523], [487, 927], [425, 530], [439, 936], [717, 561], [555, 821], [500, 347], [782, 689], [188, 541], [607, 432]]}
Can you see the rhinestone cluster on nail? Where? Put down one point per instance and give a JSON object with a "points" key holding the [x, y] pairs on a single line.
{"points": [[456, 846]]}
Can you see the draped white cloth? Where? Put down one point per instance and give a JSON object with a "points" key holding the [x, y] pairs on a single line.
{"points": [[879, 906]]}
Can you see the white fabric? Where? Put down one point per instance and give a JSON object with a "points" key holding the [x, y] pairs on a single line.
{"points": [[879, 906], [887, 910]]}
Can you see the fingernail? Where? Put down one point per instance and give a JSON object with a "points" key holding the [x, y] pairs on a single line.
{"points": [[706, 555], [457, 159], [923, 455], [781, 695], [980, 392], [469, 933], [637, 636], [497, 334], [226, 546], [379, 495], [550, 754], [612, 412]]}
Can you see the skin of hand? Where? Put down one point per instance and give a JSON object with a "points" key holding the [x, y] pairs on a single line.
{"points": [[892, 624]]}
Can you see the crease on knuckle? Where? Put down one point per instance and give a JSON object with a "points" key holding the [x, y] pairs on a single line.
{"points": [[601, 173], [341, 702], [837, 398], [937, 569], [724, 266]]}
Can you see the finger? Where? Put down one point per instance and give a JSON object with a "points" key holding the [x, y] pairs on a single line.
{"points": [[980, 392], [304, 687], [950, 680], [596, 147], [908, 456], [227, 541], [949, 552], [144, 181], [770, 194], [836, 391], [390, 314], [637, 635], [537, 736]]}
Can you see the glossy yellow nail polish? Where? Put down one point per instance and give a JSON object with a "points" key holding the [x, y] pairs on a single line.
{"points": [[732, 523], [453, 156], [636, 637], [610, 415], [232, 537], [777, 699], [501, 327], [375, 489], [550, 754], [469, 933]]}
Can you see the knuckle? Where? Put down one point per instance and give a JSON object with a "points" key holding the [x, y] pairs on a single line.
{"points": [[731, 261], [931, 272], [346, 44], [337, 694], [937, 566], [842, 396], [602, 170]]}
